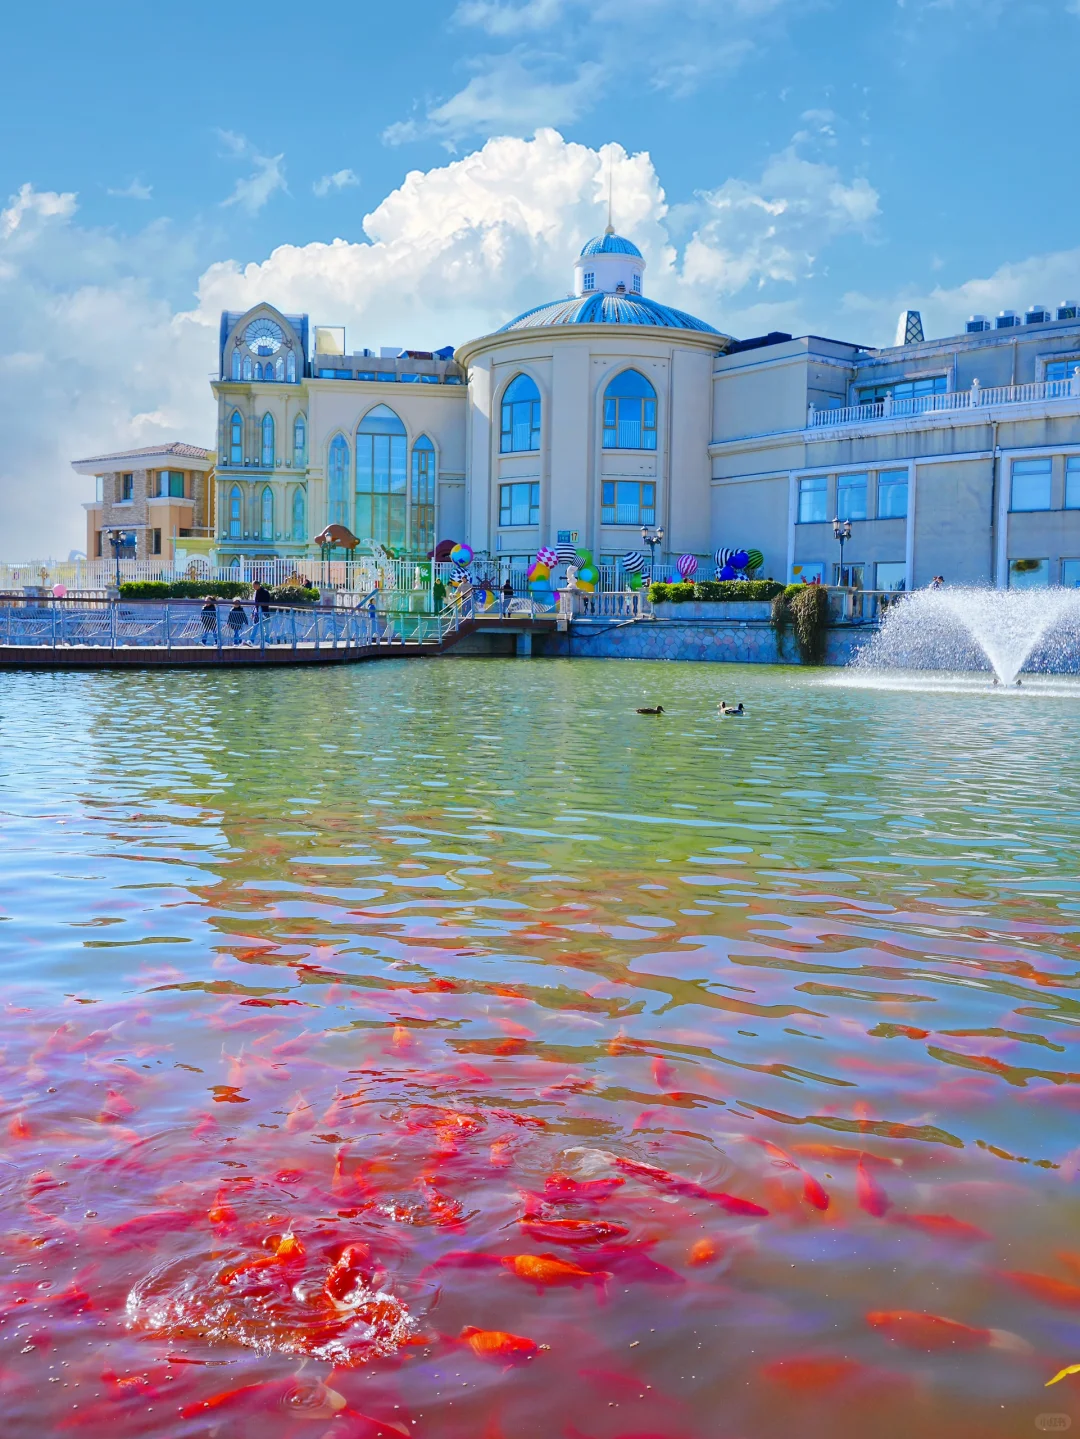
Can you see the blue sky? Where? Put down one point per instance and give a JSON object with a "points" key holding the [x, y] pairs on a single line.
{"points": [[798, 164]]}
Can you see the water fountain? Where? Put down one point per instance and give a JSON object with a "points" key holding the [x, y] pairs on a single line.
{"points": [[977, 628]]}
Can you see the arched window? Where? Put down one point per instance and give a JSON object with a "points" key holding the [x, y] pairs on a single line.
{"points": [[247, 367], [299, 516], [299, 441], [258, 370], [630, 413], [266, 514], [520, 416], [380, 477], [234, 513], [236, 439], [236, 364], [290, 368], [422, 516], [337, 470], [279, 368], [268, 441]]}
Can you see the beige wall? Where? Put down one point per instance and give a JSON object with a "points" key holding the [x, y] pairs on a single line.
{"points": [[952, 522]]}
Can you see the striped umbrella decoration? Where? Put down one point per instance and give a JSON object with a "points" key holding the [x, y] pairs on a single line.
{"points": [[566, 554], [547, 556], [633, 562]]}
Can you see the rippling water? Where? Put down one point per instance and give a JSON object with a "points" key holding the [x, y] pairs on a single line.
{"points": [[331, 998]]}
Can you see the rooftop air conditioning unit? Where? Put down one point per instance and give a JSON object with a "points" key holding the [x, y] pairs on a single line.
{"points": [[1068, 310], [1006, 320], [1037, 315], [976, 323]]}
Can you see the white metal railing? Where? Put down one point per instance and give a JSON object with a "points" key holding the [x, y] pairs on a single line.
{"points": [[978, 396], [619, 605]]}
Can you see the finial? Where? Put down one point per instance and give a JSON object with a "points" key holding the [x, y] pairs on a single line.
{"points": [[610, 227]]}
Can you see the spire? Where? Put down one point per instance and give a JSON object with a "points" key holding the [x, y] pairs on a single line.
{"points": [[610, 227]]}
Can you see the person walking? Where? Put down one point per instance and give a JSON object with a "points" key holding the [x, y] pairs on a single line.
{"points": [[260, 613], [373, 616], [507, 596], [236, 620], [208, 619]]}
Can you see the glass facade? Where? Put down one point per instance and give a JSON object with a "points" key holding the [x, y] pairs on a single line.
{"points": [[851, 497], [381, 478], [905, 389], [299, 515], [337, 470], [299, 441], [268, 442], [628, 502], [234, 513], [236, 439], [266, 514], [1029, 574], [892, 495], [520, 504], [630, 413], [1030, 485], [520, 428], [422, 506], [813, 499]]}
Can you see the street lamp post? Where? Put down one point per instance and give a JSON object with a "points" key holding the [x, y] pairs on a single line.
{"points": [[652, 538], [842, 530]]}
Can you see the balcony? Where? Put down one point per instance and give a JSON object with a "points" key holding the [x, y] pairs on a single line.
{"points": [[977, 398]]}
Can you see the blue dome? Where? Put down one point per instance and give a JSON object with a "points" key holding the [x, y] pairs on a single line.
{"points": [[598, 308], [610, 244]]}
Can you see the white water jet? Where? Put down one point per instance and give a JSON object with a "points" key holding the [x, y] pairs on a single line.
{"points": [[978, 628]]}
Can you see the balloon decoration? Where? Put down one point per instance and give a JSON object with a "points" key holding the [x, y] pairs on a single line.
{"points": [[460, 575], [539, 576], [730, 562], [584, 557], [547, 556], [739, 560], [588, 576], [727, 572], [686, 566], [59, 591], [461, 554], [755, 559], [633, 562], [634, 580], [566, 554], [483, 597]]}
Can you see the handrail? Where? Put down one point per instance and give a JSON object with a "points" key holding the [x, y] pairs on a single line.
{"points": [[978, 397]]}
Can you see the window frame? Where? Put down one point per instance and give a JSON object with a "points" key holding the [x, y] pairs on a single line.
{"points": [[299, 506], [300, 450], [611, 502], [236, 513], [507, 502], [613, 419], [1071, 496], [266, 532], [511, 422], [267, 452], [812, 485], [338, 470], [1045, 471], [885, 485], [381, 458], [127, 488], [236, 438], [846, 487], [423, 479], [876, 394]]}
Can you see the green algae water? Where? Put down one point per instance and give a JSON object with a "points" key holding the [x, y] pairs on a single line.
{"points": [[444, 1049]]}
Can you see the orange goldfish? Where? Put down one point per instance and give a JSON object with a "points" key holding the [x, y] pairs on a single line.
{"points": [[928, 1331], [573, 1231], [704, 1251], [941, 1226], [1049, 1290], [870, 1195], [812, 1374], [547, 1269], [497, 1344]]}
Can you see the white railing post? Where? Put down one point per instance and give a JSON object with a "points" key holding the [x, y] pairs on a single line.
{"points": [[887, 406], [810, 416], [976, 392]]}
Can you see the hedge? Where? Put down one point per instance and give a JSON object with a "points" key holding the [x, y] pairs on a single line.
{"points": [[212, 589], [714, 590]]}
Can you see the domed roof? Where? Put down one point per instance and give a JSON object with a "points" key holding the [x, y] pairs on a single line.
{"points": [[599, 308], [610, 244]]}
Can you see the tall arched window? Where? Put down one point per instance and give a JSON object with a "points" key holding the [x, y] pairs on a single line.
{"points": [[268, 441], [258, 370], [247, 367], [299, 515], [520, 416], [290, 368], [234, 513], [630, 413], [380, 477], [236, 364], [337, 470], [236, 439], [279, 368], [299, 441], [266, 514], [422, 516]]}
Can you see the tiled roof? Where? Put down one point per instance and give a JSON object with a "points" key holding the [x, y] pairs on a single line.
{"points": [[610, 244], [599, 308], [177, 448]]}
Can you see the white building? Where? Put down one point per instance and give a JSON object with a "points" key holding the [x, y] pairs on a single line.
{"points": [[588, 417]]}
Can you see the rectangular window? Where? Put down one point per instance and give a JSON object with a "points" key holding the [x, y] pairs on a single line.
{"points": [[1061, 369], [1029, 574], [810, 572], [97, 544], [1072, 482], [850, 577], [127, 489], [628, 502], [1030, 485], [892, 495], [629, 424], [171, 484], [1070, 574], [588, 280], [891, 576], [520, 504], [851, 497], [813, 499], [904, 389], [157, 542]]}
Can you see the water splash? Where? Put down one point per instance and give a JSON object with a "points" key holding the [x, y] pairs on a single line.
{"points": [[978, 628]]}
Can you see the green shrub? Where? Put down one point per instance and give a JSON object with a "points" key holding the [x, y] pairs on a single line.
{"points": [[810, 614], [294, 595], [714, 590], [184, 590]]}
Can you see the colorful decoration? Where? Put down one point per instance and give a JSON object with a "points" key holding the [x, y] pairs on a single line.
{"points": [[754, 559], [588, 576], [539, 574], [739, 560], [545, 555], [461, 575], [59, 591], [686, 566], [633, 562], [634, 580], [461, 554], [483, 597], [567, 555], [727, 572]]}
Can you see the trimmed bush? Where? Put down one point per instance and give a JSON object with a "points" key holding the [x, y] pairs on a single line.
{"points": [[184, 590], [294, 595], [714, 591]]}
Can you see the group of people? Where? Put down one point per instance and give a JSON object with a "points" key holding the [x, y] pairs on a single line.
{"points": [[237, 618]]}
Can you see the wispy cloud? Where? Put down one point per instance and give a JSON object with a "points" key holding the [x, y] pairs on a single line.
{"points": [[503, 19], [339, 180], [268, 176], [135, 191]]}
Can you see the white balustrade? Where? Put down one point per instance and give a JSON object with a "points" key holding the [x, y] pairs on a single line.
{"points": [[979, 396]]}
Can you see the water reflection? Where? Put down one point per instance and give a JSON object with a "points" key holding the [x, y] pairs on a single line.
{"points": [[441, 969]]}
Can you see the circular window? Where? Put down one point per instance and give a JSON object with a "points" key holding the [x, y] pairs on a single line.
{"points": [[264, 337]]}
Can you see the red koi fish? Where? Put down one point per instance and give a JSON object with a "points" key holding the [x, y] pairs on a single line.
{"points": [[813, 1192], [148, 1228], [546, 1270], [704, 1251], [663, 1073], [941, 1226], [869, 1194], [1042, 1286], [573, 1231], [497, 1344], [811, 1375], [310, 1400], [932, 1332], [689, 1188], [350, 1271], [561, 1189]]}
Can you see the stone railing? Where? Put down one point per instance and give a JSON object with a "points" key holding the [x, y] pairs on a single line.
{"points": [[978, 397]]}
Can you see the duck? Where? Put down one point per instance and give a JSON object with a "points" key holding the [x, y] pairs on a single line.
{"points": [[650, 709], [729, 711]]}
